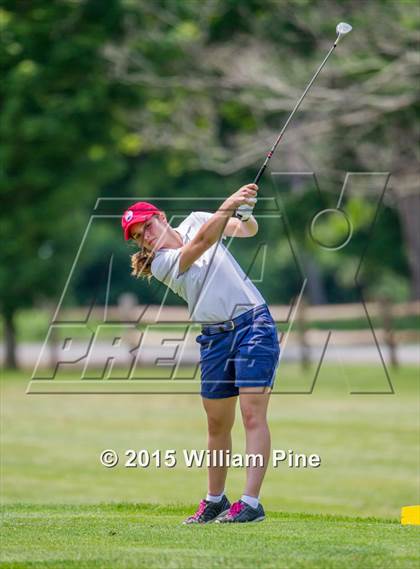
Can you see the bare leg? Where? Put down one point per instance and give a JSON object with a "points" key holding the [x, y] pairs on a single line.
{"points": [[220, 419], [254, 403]]}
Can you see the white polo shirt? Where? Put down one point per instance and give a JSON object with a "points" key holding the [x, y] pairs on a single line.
{"points": [[215, 287]]}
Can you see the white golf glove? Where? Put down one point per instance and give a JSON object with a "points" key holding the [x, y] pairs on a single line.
{"points": [[244, 211]]}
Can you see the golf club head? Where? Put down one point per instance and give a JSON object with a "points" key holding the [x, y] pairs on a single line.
{"points": [[342, 29]]}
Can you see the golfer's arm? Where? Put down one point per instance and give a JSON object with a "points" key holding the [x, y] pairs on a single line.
{"points": [[206, 236], [237, 228]]}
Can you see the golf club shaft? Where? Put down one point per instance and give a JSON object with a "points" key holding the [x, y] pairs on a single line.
{"points": [[273, 148]]}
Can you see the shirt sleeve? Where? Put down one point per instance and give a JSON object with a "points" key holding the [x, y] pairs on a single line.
{"points": [[165, 266]]}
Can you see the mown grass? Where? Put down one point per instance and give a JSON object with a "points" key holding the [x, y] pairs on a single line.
{"points": [[63, 509], [368, 443], [150, 536]]}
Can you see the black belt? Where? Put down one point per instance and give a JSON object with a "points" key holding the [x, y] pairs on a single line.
{"points": [[226, 326], [229, 325]]}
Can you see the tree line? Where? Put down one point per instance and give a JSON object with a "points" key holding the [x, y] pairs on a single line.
{"points": [[183, 98]]}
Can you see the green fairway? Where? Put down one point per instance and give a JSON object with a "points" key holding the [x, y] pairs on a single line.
{"points": [[137, 535], [52, 479]]}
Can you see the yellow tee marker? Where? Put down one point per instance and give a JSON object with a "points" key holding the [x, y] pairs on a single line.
{"points": [[410, 515]]}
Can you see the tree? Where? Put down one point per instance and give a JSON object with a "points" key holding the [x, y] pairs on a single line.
{"points": [[219, 78], [60, 133]]}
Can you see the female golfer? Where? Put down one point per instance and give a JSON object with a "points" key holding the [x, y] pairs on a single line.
{"points": [[239, 349]]}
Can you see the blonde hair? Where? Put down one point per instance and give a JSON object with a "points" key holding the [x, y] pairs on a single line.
{"points": [[141, 262]]}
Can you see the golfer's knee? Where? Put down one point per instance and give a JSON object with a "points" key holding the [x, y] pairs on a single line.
{"points": [[218, 426], [253, 419]]}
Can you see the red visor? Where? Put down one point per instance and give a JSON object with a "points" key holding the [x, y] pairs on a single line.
{"points": [[137, 213]]}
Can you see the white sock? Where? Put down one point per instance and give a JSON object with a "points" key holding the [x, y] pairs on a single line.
{"points": [[212, 498], [250, 500]]}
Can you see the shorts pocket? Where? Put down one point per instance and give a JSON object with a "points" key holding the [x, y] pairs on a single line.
{"points": [[265, 335], [256, 370], [208, 348]]}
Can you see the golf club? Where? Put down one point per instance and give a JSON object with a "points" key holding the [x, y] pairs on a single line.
{"points": [[244, 211]]}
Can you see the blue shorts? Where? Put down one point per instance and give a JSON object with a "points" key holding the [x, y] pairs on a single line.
{"points": [[246, 356]]}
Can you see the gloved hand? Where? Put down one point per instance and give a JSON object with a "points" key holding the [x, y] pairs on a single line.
{"points": [[244, 211], [242, 201]]}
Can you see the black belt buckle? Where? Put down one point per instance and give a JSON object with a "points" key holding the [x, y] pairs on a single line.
{"points": [[227, 326]]}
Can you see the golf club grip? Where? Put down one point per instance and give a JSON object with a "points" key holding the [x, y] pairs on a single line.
{"points": [[244, 212], [266, 161], [260, 173]]}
